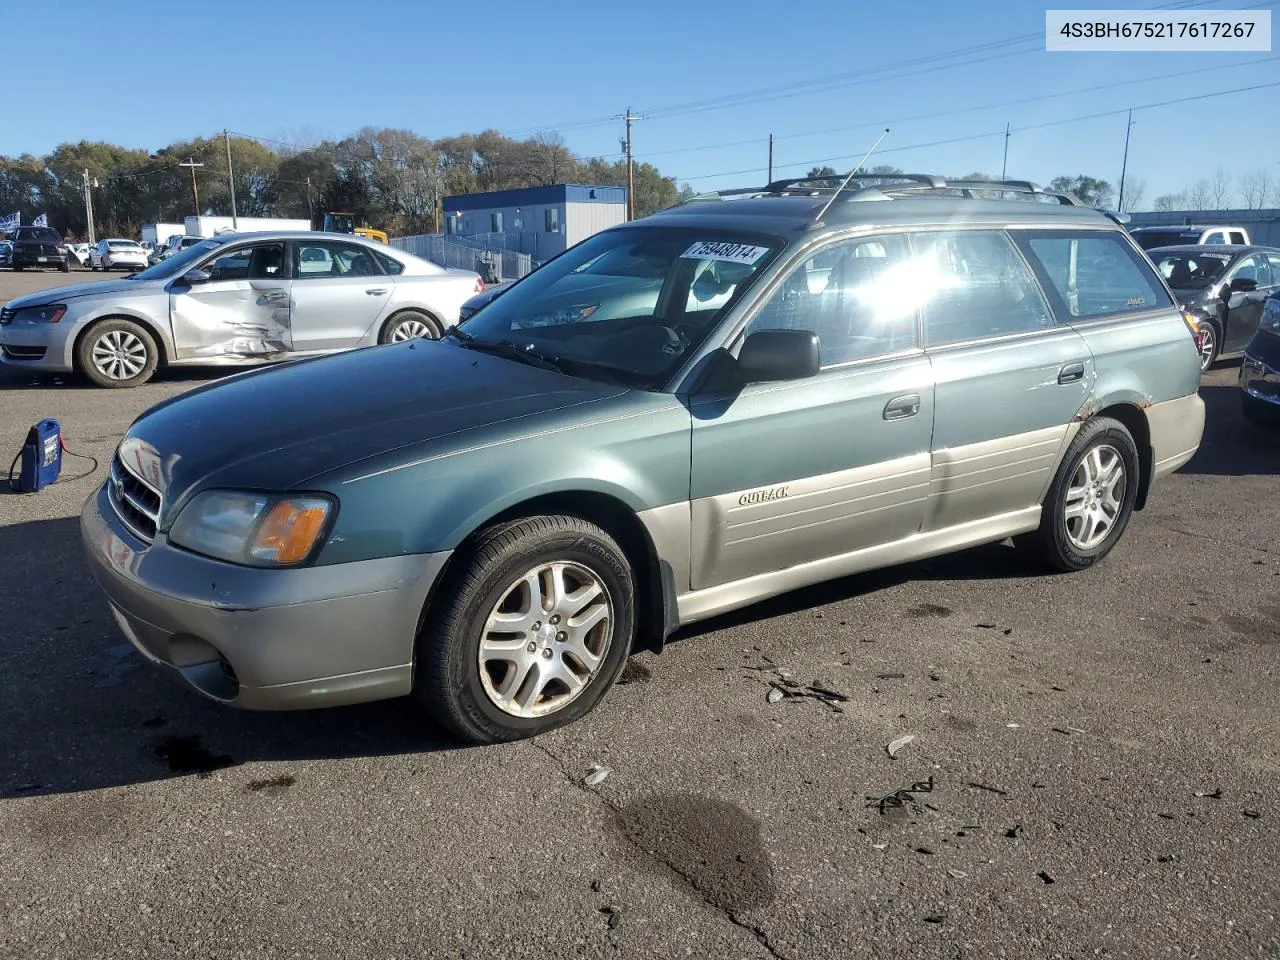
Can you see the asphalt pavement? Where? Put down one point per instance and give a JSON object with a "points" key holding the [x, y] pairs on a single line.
{"points": [[1095, 769]]}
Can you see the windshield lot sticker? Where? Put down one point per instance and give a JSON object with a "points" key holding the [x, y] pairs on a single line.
{"points": [[731, 252]]}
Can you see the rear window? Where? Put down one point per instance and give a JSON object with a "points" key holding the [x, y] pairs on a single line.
{"points": [[122, 245], [1093, 274], [1150, 239]]}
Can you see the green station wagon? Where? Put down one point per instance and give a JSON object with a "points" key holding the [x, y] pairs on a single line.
{"points": [[744, 394]]}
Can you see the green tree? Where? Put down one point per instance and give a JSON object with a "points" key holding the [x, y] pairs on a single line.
{"points": [[1089, 190]]}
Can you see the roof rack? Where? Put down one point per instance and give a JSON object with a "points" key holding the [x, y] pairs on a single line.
{"points": [[888, 186]]}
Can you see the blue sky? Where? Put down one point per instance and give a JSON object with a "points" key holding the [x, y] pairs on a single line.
{"points": [[303, 70]]}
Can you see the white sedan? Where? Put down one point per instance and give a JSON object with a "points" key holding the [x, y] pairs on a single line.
{"points": [[118, 255]]}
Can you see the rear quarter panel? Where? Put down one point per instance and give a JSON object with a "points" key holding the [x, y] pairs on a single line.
{"points": [[1142, 361]]}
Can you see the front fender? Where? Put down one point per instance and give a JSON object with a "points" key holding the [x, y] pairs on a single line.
{"points": [[159, 327]]}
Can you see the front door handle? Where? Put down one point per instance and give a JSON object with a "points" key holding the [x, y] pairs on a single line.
{"points": [[900, 408], [376, 291], [1071, 373]]}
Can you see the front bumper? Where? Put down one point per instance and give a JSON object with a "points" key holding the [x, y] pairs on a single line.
{"points": [[22, 258], [39, 346], [262, 639]]}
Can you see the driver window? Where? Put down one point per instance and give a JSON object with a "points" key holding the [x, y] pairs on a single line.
{"points": [[853, 294]]}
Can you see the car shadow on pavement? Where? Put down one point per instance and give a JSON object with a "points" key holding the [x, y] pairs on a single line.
{"points": [[15, 378], [1232, 446], [81, 710]]}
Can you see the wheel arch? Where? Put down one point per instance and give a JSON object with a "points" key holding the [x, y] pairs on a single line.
{"points": [[402, 308], [655, 586], [1134, 418]]}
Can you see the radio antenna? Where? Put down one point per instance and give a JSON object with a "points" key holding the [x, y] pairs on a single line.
{"points": [[851, 175]]}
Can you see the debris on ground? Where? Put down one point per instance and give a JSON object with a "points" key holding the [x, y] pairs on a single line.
{"points": [[895, 747], [1013, 726], [1014, 832], [1216, 795], [614, 915], [1044, 875], [1165, 858], [983, 786], [985, 625], [891, 676], [774, 695], [1252, 814], [787, 689], [596, 775], [904, 797], [935, 918], [596, 885], [956, 874], [881, 846], [925, 850]]}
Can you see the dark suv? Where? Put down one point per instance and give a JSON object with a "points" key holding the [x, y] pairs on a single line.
{"points": [[39, 247]]}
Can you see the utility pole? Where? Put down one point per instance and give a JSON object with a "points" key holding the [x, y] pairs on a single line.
{"points": [[631, 177], [231, 178], [1124, 165], [770, 180], [88, 206], [1004, 166], [311, 213], [195, 191]]}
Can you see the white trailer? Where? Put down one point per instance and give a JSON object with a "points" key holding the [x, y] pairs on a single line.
{"points": [[159, 233], [212, 226]]}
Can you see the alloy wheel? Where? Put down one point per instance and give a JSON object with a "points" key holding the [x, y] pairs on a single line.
{"points": [[409, 330], [119, 355], [1095, 497], [1208, 345], [545, 639]]}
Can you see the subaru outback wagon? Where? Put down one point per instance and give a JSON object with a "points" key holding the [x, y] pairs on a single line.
{"points": [[742, 395]]}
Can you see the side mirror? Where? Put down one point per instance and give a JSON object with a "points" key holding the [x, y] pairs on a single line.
{"points": [[196, 277], [1243, 285], [779, 355]]}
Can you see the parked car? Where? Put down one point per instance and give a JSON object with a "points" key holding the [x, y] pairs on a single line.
{"points": [[6, 253], [1181, 236], [79, 254], [176, 244], [1223, 287], [489, 294], [236, 300], [490, 521], [117, 254], [1260, 369], [38, 247]]}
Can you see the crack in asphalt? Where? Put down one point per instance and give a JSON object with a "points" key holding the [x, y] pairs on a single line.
{"points": [[755, 929], [1211, 539]]}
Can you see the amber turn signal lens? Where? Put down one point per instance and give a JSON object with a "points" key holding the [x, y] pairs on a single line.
{"points": [[289, 531]]}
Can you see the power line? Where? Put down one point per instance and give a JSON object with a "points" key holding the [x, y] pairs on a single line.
{"points": [[971, 109], [1001, 133]]}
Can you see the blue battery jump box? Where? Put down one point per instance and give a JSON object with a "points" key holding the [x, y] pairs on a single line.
{"points": [[41, 457]]}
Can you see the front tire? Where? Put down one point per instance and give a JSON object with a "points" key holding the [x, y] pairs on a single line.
{"points": [[66, 266], [1091, 500], [409, 325], [530, 632], [117, 354]]}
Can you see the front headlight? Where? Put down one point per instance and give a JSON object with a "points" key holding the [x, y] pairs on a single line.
{"points": [[1270, 321], [49, 313], [254, 529]]}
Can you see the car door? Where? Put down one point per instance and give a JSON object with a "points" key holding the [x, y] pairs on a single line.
{"points": [[1244, 306], [1008, 379], [788, 473], [240, 308], [340, 291]]}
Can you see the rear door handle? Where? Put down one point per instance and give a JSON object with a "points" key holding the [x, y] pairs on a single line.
{"points": [[900, 408], [376, 291], [1071, 373]]}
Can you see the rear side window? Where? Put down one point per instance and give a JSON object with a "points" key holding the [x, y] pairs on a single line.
{"points": [[1236, 237], [1093, 274], [973, 286], [390, 264]]}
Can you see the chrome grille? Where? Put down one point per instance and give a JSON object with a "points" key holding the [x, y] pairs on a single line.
{"points": [[135, 501]]}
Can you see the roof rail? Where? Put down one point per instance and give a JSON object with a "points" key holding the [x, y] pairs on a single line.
{"points": [[971, 188]]}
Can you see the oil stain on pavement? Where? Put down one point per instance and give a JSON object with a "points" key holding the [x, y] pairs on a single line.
{"points": [[713, 845]]}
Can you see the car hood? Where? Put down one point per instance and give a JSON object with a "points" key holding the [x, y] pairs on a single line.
{"points": [[276, 428], [103, 288]]}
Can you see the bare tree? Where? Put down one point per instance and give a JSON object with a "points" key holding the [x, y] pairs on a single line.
{"points": [[1198, 194], [1170, 201], [1134, 191], [1255, 188], [1221, 190]]}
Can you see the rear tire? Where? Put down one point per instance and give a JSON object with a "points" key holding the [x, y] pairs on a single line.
{"points": [[117, 354], [1210, 343], [1091, 499], [511, 621], [410, 325]]}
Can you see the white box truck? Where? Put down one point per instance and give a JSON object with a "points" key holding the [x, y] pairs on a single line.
{"points": [[212, 226], [159, 233]]}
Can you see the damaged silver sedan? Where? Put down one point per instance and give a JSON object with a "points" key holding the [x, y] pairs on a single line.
{"points": [[235, 299]]}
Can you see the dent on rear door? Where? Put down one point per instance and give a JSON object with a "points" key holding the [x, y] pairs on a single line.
{"points": [[232, 318]]}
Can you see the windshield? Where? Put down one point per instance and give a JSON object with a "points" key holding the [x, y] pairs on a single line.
{"points": [[629, 304], [40, 234], [1191, 270], [1150, 239], [179, 263]]}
